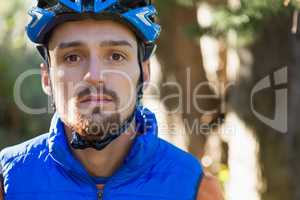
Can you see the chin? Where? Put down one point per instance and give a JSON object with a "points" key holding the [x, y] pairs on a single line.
{"points": [[95, 124]]}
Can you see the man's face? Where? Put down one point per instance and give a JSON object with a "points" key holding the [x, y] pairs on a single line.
{"points": [[94, 74]]}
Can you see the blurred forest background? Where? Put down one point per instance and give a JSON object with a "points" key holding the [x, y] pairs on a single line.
{"points": [[231, 44]]}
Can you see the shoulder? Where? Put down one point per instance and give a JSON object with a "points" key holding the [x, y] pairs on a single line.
{"points": [[169, 165], [172, 152], [1, 192], [22, 152], [210, 189], [182, 158], [1, 185]]}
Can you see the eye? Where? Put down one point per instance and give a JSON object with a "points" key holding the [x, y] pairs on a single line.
{"points": [[117, 57], [72, 59]]}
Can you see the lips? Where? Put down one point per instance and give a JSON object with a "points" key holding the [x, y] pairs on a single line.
{"points": [[96, 99]]}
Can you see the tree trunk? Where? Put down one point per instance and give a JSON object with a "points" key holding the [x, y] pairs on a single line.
{"points": [[181, 60], [272, 51], [294, 108]]}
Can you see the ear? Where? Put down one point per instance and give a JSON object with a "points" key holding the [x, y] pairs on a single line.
{"points": [[45, 79], [146, 73]]}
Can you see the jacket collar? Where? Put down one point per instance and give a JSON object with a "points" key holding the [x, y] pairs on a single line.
{"points": [[138, 158]]}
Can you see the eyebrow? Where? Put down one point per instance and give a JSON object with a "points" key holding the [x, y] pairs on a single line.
{"points": [[65, 45], [107, 43]]}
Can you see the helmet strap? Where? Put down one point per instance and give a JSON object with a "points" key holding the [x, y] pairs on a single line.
{"points": [[46, 57], [79, 142]]}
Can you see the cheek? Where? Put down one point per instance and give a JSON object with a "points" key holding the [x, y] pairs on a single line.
{"points": [[125, 84], [64, 84]]}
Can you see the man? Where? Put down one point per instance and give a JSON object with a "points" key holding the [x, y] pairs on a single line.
{"points": [[102, 142]]}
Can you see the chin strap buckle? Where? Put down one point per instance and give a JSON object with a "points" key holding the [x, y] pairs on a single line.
{"points": [[78, 142]]}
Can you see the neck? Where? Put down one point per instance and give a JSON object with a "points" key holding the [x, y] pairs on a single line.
{"points": [[105, 162]]}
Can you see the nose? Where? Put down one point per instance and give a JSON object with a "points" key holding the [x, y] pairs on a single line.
{"points": [[94, 74]]}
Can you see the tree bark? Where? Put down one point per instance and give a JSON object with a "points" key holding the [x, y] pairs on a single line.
{"points": [[294, 108], [273, 50], [180, 57]]}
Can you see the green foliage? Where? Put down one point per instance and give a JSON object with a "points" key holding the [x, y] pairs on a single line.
{"points": [[247, 19], [17, 56], [186, 3]]}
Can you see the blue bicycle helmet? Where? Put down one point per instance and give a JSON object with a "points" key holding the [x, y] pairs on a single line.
{"points": [[137, 14]]}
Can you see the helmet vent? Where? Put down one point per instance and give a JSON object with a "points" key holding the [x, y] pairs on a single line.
{"points": [[46, 3], [135, 3]]}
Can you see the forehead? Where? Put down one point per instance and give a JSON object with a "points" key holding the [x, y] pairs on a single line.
{"points": [[91, 32]]}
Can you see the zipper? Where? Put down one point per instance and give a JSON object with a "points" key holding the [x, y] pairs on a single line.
{"points": [[100, 195], [100, 191]]}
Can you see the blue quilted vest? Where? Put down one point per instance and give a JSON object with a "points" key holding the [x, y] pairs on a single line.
{"points": [[44, 168]]}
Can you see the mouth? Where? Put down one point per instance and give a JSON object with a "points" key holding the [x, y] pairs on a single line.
{"points": [[96, 99]]}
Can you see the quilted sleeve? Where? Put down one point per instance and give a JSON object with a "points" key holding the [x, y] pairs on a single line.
{"points": [[1, 185]]}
